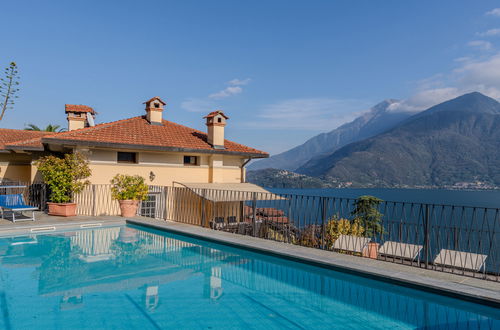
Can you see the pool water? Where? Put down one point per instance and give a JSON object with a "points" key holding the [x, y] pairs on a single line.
{"points": [[131, 277]]}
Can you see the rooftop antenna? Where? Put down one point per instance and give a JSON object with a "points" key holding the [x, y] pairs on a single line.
{"points": [[90, 119]]}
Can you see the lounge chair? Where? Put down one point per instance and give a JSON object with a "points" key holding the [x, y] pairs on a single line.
{"points": [[218, 223], [400, 250], [15, 203], [351, 243], [459, 259]]}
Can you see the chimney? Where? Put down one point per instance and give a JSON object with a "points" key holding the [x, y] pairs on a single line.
{"points": [[154, 110], [216, 121], [79, 116]]}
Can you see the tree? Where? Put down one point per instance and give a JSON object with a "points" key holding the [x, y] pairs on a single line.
{"points": [[49, 128], [8, 88], [366, 211]]}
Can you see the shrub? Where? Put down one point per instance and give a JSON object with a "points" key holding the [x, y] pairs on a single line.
{"points": [[64, 176], [129, 187], [336, 227]]}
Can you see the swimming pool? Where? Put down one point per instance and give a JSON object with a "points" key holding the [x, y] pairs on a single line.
{"points": [[130, 277]]}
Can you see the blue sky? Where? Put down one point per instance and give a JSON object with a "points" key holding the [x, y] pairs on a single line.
{"points": [[283, 71]]}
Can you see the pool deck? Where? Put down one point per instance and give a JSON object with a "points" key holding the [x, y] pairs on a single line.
{"points": [[457, 286]]}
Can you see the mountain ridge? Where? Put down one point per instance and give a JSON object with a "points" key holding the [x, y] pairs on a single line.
{"points": [[378, 119], [452, 142]]}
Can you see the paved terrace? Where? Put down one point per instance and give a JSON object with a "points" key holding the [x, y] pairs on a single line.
{"points": [[468, 288]]}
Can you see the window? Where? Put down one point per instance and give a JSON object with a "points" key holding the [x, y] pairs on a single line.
{"points": [[157, 105], [190, 160], [127, 157], [219, 120]]}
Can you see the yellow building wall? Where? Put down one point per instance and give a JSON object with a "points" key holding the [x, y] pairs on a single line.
{"points": [[15, 167], [166, 167]]}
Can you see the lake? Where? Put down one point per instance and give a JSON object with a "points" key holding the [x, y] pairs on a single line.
{"points": [[479, 198]]}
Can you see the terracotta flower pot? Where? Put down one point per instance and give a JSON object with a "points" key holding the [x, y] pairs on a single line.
{"points": [[62, 209], [371, 251], [128, 208]]}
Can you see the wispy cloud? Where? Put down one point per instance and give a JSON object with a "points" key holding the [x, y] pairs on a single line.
{"points": [[233, 89], [239, 82], [493, 12], [226, 92], [480, 44], [308, 113], [205, 104], [489, 33]]}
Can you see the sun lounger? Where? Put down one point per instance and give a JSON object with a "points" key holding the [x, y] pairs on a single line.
{"points": [[351, 243], [218, 223], [459, 259], [15, 203], [400, 250]]}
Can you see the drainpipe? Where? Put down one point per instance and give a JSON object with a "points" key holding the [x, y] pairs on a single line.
{"points": [[243, 178]]}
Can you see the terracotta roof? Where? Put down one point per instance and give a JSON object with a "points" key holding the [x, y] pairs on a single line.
{"points": [[78, 108], [215, 113], [138, 133], [155, 98], [13, 136]]}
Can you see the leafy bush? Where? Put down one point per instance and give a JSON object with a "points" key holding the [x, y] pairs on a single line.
{"points": [[129, 187], [336, 227], [64, 176], [366, 211]]}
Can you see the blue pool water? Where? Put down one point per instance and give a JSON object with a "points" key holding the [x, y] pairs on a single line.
{"points": [[137, 278]]}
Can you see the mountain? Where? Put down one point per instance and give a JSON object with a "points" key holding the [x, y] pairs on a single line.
{"points": [[377, 120], [275, 178], [453, 143]]}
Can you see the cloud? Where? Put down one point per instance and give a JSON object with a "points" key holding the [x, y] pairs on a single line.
{"points": [[489, 33], [206, 104], [482, 75], [308, 114], [239, 82], [226, 92], [493, 12], [234, 88], [425, 99], [480, 44]]}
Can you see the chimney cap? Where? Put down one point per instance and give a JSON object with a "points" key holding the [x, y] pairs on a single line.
{"points": [[215, 113], [78, 108], [156, 98]]}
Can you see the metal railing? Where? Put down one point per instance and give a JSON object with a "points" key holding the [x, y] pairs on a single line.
{"points": [[458, 239]]}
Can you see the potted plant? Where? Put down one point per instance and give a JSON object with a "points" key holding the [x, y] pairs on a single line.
{"points": [[367, 213], [65, 177], [128, 190]]}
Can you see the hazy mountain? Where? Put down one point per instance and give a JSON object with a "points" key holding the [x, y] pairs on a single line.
{"points": [[454, 142], [373, 122]]}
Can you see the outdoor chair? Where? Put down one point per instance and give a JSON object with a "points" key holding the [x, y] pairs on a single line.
{"points": [[459, 259], [15, 203], [351, 243], [400, 250], [218, 223]]}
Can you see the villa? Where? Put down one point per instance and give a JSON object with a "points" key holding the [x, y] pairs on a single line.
{"points": [[161, 151]]}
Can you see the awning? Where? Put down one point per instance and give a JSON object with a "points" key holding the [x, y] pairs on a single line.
{"points": [[230, 192]]}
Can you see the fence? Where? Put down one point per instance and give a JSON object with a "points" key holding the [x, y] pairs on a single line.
{"points": [[458, 239]]}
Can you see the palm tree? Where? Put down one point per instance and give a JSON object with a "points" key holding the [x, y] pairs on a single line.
{"points": [[49, 128]]}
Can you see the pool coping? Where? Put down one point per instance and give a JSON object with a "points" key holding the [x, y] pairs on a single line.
{"points": [[447, 284]]}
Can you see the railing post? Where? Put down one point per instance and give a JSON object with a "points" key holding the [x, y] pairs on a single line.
{"points": [[323, 221], [254, 213], [426, 235], [93, 201], [203, 210]]}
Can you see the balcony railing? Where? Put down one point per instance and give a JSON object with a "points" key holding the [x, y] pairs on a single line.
{"points": [[449, 238]]}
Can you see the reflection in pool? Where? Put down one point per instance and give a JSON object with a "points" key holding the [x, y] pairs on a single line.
{"points": [[131, 277]]}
